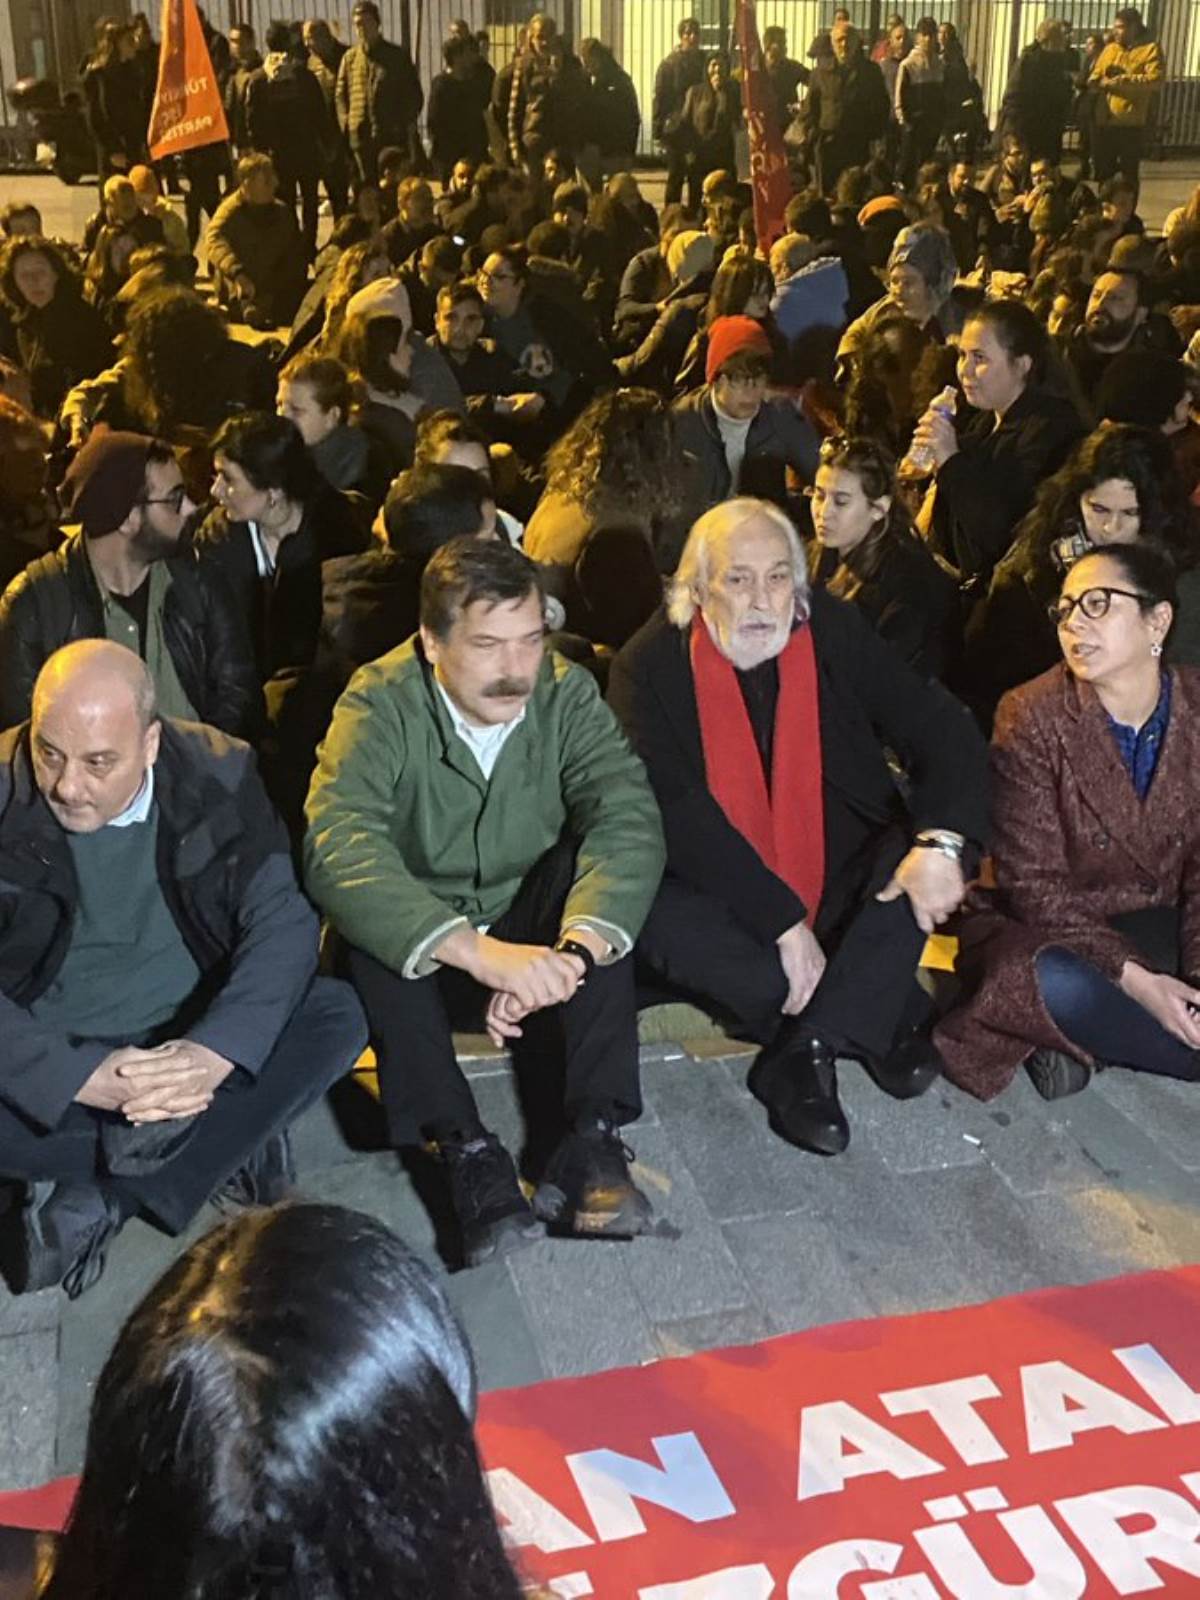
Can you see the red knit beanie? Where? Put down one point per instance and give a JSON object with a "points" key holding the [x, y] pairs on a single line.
{"points": [[734, 336]]}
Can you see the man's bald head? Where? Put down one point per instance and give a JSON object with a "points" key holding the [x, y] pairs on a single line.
{"points": [[93, 733]]}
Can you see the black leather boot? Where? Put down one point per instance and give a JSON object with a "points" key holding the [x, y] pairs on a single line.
{"points": [[795, 1077]]}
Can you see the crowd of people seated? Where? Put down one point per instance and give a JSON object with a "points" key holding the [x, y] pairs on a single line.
{"points": [[529, 606]]}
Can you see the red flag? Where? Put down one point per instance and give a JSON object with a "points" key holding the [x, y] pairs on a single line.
{"points": [[769, 174], [187, 108]]}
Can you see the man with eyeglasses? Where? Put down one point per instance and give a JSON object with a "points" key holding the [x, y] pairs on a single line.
{"points": [[127, 573]]}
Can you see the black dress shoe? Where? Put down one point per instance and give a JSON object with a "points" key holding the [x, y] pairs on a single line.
{"points": [[909, 1068], [60, 1235], [1055, 1075], [796, 1079]]}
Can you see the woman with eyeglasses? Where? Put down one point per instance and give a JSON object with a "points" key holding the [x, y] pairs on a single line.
{"points": [[867, 551], [1087, 951], [1119, 486]]}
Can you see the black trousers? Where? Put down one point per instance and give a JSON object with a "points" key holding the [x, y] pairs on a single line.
{"points": [[593, 1036], [868, 992], [1116, 149], [308, 184], [319, 1045], [681, 171]]}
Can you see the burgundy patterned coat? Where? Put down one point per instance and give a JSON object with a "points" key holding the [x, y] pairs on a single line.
{"points": [[1072, 846]]}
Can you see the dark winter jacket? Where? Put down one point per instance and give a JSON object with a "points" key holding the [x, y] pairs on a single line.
{"points": [[226, 874], [57, 600]]}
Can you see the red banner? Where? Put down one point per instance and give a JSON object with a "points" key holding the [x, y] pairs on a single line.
{"points": [[769, 175], [1045, 1447], [187, 109]]}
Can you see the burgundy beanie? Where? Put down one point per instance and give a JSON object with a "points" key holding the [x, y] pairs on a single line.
{"points": [[105, 479], [734, 336]]}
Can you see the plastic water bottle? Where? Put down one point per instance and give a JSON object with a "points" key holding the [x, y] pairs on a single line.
{"points": [[919, 462]]}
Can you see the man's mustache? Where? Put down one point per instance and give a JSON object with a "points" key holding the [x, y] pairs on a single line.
{"points": [[507, 689]]}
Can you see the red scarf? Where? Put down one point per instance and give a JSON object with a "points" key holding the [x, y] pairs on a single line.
{"points": [[786, 827]]}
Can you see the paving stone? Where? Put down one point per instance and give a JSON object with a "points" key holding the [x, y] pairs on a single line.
{"points": [[28, 1313], [1008, 1245], [582, 1306], [925, 1135], [1028, 1142], [740, 1168], [797, 1272], [486, 1299], [1120, 1152], [685, 1269], [28, 1408], [379, 1185], [1164, 1109], [719, 1330]]}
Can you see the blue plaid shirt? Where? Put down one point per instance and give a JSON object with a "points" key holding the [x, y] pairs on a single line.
{"points": [[1140, 747]]}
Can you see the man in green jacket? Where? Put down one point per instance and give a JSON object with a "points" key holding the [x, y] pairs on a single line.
{"points": [[479, 830]]}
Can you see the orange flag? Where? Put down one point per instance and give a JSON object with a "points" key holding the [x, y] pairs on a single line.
{"points": [[187, 108]]}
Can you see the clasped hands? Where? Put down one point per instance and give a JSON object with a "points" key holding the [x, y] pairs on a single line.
{"points": [[174, 1080], [523, 978]]}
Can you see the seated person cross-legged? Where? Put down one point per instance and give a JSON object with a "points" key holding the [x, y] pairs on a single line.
{"points": [[1087, 953], [161, 1017], [799, 887], [479, 831]]}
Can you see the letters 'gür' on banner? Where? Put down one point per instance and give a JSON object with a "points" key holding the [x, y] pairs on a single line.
{"points": [[768, 159], [187, 111]]}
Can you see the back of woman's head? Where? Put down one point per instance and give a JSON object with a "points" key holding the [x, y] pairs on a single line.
{"points": [[174, 368], [286, 1415], [271, 452], [736, 283], [620, 447]]}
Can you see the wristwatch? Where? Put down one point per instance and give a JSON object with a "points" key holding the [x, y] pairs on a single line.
{"points": [[943, 841], [572, 947]]}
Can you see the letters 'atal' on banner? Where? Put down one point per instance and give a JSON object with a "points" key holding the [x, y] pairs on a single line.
{"points": [[187, 111], [768, 158]]}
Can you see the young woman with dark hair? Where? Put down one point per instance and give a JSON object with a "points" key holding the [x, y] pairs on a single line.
{"points": [[1016, 429], [322, 398], [276, 521], [288, 1412], [60, 338], [1119, 487], [867, 551]]}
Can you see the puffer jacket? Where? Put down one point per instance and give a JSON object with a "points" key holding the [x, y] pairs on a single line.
{"points": [[56, 600]]}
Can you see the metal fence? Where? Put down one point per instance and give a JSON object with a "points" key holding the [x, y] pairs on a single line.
{"points": [[642, 32]]}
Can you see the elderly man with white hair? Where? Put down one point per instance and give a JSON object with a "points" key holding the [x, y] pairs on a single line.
{"points": [[801, 879]]}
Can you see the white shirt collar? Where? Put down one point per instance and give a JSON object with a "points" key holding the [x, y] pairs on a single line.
{"points": [[138, 809], [485, 744]]}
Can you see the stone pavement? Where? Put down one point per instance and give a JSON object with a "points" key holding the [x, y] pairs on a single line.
{"points": [[939, 1202]]}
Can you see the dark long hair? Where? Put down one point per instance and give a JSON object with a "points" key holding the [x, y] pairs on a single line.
{"points": [[70, 285], [285, 1417], [875, 470], [1142, 457], [176, 373]]}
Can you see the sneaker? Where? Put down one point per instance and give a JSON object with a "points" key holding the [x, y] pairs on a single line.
{"points": [[60, 1235], [267, 1178], [587, 1188], [1055, 1075], [493, 1215]]}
